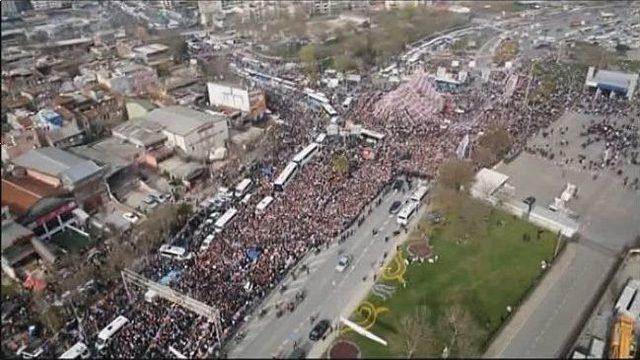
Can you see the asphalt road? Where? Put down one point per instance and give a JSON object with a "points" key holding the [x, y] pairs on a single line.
{"points": [[330, 294]]}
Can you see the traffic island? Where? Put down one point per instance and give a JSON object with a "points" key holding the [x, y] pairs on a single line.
{"points": [[344, 350]]}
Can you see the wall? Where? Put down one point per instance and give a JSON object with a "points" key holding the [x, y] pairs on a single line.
{"points": [[221, 95], [44, 178]]}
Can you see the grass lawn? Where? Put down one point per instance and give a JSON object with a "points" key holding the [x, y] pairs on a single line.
{"points": [[478, 277]]}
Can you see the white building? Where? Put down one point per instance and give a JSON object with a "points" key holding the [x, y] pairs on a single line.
{"points": [[152, 54], [196, 133]]}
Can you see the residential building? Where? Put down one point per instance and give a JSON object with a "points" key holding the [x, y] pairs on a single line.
{"points": [[153, 54], [143, 134], [334, 7], [16, 143], [49, 4], [43, 209], [63, 170], [197, 134]]}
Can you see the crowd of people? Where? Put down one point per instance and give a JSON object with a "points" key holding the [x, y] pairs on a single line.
{"points": [[317, 206]]}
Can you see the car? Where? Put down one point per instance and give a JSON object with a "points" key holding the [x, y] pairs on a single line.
{"points": [[343, 263], [161, 198], [395, 207], [397, 185], [131, 217], [319, 330], [149, 199]]}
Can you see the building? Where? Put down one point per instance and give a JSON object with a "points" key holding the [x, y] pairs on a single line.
{"points": [[63, 170], [333, 7], [43, 209], [144, 134], [611, 82], [16, 143], [250, 102], [153, 54], [196, 134], [129, 79], [48, 4]]}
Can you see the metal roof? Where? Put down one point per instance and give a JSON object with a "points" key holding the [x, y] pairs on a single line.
{"points": [[182, 120], [64, 165], [615, 78]]}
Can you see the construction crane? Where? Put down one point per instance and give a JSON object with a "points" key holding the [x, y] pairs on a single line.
{"points": [[622, 338]]}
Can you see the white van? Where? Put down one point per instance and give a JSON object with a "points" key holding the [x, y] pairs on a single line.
{"points": [[243, 187], [77, 351]]}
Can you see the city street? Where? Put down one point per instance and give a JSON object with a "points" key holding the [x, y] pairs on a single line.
{"points": [[330, 294]]}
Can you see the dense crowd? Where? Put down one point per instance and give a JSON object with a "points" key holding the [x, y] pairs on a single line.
{"points": [[318, 206]]}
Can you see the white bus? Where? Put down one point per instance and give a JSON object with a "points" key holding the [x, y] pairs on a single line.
{"points": [[173, 252], [420, 193], [263, 204], [224, 219], [107, 333], [285, 176], [77, 351], [329, 109], [347, 102], [371, 135], [306, 154], [176, 353], [407, 212], [243, 187]]}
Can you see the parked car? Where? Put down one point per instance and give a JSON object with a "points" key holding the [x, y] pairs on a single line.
{"points": [[319, 330], [131, 217]]}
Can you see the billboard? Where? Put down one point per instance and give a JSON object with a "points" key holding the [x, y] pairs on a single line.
{"points": [[227, 96]]}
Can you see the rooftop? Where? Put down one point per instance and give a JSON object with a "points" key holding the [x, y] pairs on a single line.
{"points": [[64, 165], [615, 78], [182, 120], [21, 194], [139, 132], [151, 49]]}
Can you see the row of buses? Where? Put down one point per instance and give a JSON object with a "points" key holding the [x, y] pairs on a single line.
{"points": [[405, 215], [292, 168], [81, 351]]}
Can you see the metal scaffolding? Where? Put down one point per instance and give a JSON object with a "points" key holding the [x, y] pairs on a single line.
{"points": [[198, 307]]}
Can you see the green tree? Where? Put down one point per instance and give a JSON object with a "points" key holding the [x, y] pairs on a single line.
{"points": [[308, 55], [344, 63]]}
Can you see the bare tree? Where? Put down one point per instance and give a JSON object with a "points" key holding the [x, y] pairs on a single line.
{"points": [[455, 174], [412, 331]]}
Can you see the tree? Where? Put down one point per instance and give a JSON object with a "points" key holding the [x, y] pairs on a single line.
{"points": [[341, 164], [466, 339], [455, 174], [344, 63], [413, 331], [309, 56], [497, 140]]}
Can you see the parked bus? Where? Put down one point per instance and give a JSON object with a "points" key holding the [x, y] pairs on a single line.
{"points": [[407, 213], [173, 252], [224, 219], [420, 193], [243, 187], [329, 109], [107, 333], [285, 176], [77, 351], [306, 154], [263, 204], [371, 135]]}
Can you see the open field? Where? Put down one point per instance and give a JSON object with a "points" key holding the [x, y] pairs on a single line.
{"points": [[466, 291]]}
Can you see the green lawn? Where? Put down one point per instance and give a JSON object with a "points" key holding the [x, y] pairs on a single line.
{"points": [[479, 277]]}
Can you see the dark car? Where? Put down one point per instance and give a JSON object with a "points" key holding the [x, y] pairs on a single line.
{"points": [[319, 330], [397, 185], [395, 207]]}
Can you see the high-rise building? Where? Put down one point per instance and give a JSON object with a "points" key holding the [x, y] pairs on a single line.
{"points": [[9, 8], [332, 7], [48, 4]]}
